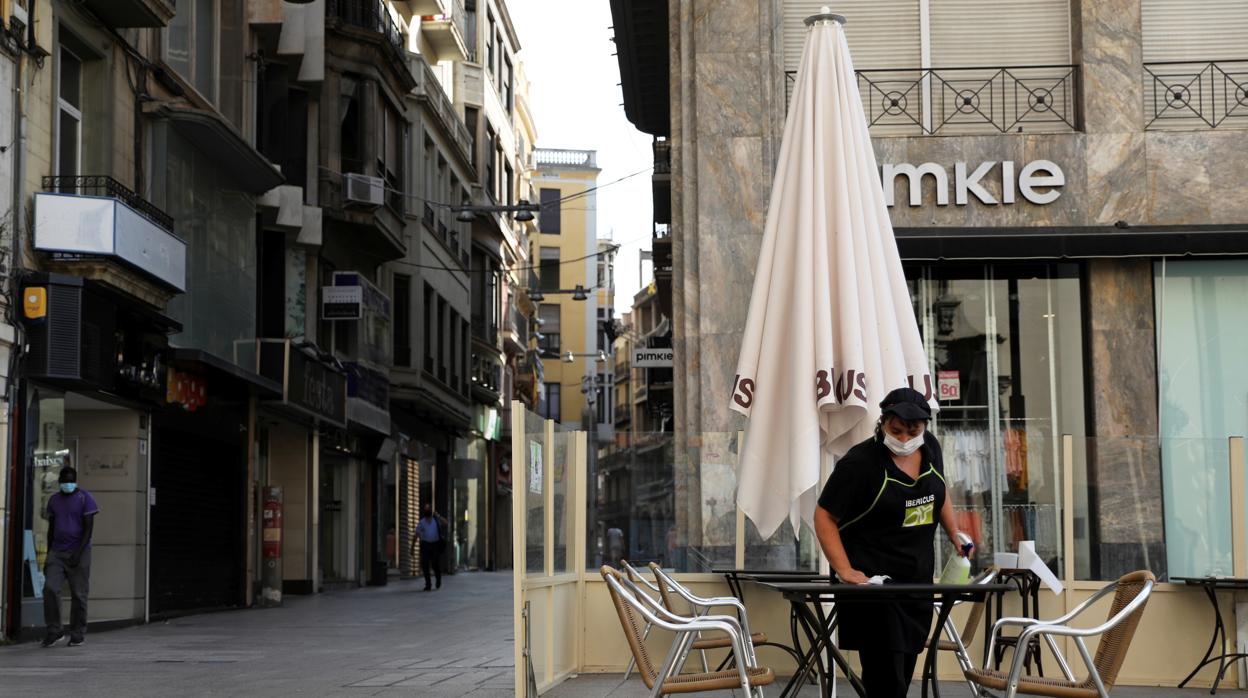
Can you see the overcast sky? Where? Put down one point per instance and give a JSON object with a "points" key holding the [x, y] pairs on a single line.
{"points": [[567, 52]]}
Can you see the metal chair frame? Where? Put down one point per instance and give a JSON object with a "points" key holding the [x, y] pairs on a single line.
{"points": [[960, 653], [1033, 628], [686, 630], [634, 576]]}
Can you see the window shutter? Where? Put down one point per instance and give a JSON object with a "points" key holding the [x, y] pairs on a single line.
{"points": [[1012, 33], [1181, 30], [881, 33]]}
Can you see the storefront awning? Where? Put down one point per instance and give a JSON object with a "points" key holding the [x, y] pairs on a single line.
{"points": [[916, 244], [230, 379]]}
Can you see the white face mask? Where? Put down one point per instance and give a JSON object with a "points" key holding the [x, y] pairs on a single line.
{"points": [[902, 448]]}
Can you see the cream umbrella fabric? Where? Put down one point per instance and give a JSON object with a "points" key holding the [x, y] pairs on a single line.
{"points": [[831, 328]]}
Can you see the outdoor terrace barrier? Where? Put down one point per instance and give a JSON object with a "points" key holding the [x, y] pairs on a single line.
{"points": [[1196, 94], [967, 101], [370, 15]]}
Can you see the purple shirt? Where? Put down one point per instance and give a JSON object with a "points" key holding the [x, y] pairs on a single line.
{"points": [[69, 512]]}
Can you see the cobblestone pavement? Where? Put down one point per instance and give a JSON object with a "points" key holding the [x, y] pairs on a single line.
{"points": [[391, 640]]}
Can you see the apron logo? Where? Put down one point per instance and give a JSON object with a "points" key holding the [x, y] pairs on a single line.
{"points": [[920, 512]]}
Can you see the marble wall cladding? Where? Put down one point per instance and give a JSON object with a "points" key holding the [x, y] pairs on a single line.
{"points": [[1179, 191], [726, 27], [1116, 178], [1124, 463], [1112, 62], [729, 101]]}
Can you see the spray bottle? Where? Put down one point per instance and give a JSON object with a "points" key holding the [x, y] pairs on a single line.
{"points": [[958, 568]]}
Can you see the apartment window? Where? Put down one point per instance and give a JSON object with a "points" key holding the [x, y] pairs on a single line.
{"points": [[441, 339], [391, 129], [69, 114], [509, 84], [431, 331], [508, 182], [282, 123], [191, 45], [402, 320], [549, 269], [549, 314], [350, 123], [471, 115], [453, 358], [491, 163], [465, 344], [491, 47], [551, 211], [551, 408]]}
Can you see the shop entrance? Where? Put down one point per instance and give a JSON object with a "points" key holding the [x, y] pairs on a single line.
{"points": [[337, 500], [1007, 368]]}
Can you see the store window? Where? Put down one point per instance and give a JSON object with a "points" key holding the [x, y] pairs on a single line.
{"points": [[1202, 329], [1005, 342]]}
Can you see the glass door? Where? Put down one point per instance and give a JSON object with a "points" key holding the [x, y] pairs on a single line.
{"points": [[1001, 355]]}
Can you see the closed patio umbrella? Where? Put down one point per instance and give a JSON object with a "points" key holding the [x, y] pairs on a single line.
{"points": [[830, 328]]}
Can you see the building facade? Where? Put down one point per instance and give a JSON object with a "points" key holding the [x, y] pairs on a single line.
{"points": [[1072, 223], [278, 319]]}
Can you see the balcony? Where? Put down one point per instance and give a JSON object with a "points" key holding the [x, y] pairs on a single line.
{"points": [[83, 217], [446, 31], [1196, 95], [125, 14], [967, 101], [371, 17], [430, 93], [487, 379], [516, 339], [547, 158], [661, 181]]}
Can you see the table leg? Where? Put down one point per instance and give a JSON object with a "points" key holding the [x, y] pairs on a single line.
{"points": [[811, 656], [929, 665], [1221, 630], [1217, 625], [1034, 584]]}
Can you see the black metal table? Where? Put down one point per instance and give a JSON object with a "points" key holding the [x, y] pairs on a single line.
{"points": [[736, 578], [807, 599], [1211, 585], [1027, 584]]}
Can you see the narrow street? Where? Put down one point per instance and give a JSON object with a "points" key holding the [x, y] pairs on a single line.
{"points": [[392, 640]]}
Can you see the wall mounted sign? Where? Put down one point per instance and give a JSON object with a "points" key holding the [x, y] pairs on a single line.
{"points": [[342, 302], [653, 358], [1038, 182]]}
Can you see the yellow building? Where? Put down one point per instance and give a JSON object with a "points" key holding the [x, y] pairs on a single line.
{"points": [[571, 284]]}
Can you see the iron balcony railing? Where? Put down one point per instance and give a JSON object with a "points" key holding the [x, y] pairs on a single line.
{"points": [[1196, 94], [430, 90], [370, 15], [968, 101], [103, 185]]}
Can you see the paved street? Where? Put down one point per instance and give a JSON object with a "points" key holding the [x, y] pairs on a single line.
{"points": [[393, 640]]}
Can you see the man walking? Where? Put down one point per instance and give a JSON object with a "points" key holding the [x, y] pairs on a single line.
{"points": [[431, 533], [71, 519]]}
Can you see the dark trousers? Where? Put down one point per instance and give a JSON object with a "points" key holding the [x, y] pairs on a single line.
{"points": [[887, 674], [56, 571], [431, 561]]}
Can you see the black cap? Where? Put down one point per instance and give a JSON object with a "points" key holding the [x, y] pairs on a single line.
{"points": [[906, 403]]}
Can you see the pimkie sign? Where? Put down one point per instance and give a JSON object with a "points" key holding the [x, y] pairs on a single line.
{"points": [[1038, 182]]}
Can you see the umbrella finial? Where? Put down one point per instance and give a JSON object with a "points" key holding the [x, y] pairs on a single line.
{"points": [[825, 15]]}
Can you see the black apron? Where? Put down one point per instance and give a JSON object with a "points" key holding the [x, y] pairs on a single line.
{"points": [[893, 536]]}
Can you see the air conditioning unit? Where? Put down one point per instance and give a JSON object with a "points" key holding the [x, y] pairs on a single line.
{"points": [[365, 190]]}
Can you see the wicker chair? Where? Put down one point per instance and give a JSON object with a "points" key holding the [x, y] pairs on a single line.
{"points": [[1131, 594], [633, 607], [957, 641]]}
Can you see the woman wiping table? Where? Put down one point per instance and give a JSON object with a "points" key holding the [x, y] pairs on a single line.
{"points": [[877, 516]]}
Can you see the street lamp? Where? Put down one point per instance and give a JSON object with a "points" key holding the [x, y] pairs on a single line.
{"points": [[580, 293], [569, 357], [524, 211]]}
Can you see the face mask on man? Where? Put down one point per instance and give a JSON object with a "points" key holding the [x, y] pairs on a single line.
{"points": [[903, 448], [69, 487]]}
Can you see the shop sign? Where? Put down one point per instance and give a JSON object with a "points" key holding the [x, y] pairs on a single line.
{"points": [[185, 389], [373, 332], [342, 302], [1038, 181], [949, 385], [644, 357], [312, 386]]}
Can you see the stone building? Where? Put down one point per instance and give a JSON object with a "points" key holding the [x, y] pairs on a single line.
{"points": [[1070, 210]]}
